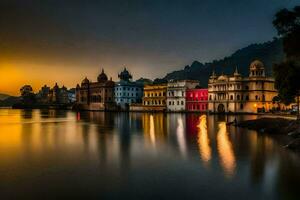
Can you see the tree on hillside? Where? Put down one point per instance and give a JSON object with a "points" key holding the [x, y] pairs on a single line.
{"points": [[287, 73]]}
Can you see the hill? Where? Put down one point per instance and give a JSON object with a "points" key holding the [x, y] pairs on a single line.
{"points": [[9, 101], [3, 96], [269, 53]]}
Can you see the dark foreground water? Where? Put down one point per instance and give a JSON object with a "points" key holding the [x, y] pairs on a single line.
{"points": [[62, 154]]}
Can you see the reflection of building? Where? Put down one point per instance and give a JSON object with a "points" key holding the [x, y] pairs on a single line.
{"points": [[203, 141], [226, 153], [154, 127], [154, 98], [96, 95], [126, 91], [196, 99], [176, 94], [237, 94]]}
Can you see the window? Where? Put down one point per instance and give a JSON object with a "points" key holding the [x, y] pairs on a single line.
{"points": [[256, 97], [247, 98], [231, 97], [241, 106], [238, 97], [182, 103]]}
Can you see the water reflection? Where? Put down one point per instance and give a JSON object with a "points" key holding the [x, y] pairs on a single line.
{"points": [[121, 151], [152, 130], [203, 140], [180, 133], [227, 158]]}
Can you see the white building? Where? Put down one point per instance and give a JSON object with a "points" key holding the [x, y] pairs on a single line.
{"points": [[127, 92], [237, 94], [176, 94]]}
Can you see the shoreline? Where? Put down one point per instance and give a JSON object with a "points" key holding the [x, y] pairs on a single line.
{"points": [[285, 131]]}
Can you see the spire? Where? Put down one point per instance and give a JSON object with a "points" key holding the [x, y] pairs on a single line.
{"points": [[213, 75], [236, 72]]}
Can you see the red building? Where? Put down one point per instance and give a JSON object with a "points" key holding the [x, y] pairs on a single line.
{"points": [[196, 99]]}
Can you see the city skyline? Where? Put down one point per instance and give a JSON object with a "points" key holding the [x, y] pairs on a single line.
{"points": [[55, 41]]}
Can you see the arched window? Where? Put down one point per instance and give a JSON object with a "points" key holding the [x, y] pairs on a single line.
{"points": [[231, 97]]}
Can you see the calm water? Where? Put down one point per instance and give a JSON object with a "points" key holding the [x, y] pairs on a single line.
{"points": [[60, 154]]}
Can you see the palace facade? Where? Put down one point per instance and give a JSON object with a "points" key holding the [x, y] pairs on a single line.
{"points": [[126, 91], [235, 93], [155, 97], [176, 94], [196, 100], [97, 95]]}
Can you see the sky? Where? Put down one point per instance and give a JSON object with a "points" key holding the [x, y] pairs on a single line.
{"points": [[63, 41]]}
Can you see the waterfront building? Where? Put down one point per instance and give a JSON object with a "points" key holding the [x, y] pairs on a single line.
{"points": [[97, 95], [176, 94], [43, 95], [196, 100], [55, 95], [58, 95], [154, 98], [127, 92], [235, 93]]}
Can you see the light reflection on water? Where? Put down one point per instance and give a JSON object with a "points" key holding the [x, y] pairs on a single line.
{"points": [[139, 155], [226, 154], [203, 140]]}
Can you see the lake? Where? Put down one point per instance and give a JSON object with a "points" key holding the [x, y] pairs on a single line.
{"points": [[51, 154]]}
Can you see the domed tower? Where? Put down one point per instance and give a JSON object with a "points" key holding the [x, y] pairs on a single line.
{"points": [[125, 75], [102, 77], [85, 81], [257, 69]]}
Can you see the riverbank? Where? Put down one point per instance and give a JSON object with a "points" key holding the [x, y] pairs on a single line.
{"points": [[286, 131]]}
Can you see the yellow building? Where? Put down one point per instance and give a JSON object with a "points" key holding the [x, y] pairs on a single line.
{"points": [[155, 97], [235, 93]]}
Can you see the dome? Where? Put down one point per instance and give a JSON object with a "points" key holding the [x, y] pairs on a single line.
{"points": [[125, 75], [222, 78], [85, 81], [256, 64], [56, 86], [102, 77]]}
